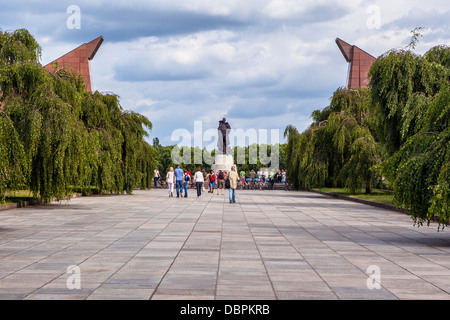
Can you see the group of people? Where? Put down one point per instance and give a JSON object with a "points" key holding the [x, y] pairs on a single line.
{"points": [[272, 176], [180, 179], [218, 180]]}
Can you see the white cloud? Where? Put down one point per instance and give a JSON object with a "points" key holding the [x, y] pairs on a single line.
{"points": [[264, 63]]}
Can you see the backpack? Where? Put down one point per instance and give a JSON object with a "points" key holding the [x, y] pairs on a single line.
{"points": [[187, 177], [221, 176]]}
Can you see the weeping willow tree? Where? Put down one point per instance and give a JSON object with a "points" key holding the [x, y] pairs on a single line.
{"points": [[292, 151], [338, 149], [412, 100], [402, 86], [55, 137], [15, 48], [398, 130]]}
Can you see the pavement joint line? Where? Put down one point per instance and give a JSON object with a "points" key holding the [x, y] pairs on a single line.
{"points": [[343, 256], [306, 260], [260, 255], [184, 243], [74, 244], [39, 231], [28, 248], [401, 248], [84, 259], [378, 254], [220, 250], [274, 225], [390, 260], [136, 252]]}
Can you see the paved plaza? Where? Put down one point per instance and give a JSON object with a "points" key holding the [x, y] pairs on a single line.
{"points": [[268, 245]]}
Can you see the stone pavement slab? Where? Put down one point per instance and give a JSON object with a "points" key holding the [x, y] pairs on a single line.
{"points": [[268, 245]]}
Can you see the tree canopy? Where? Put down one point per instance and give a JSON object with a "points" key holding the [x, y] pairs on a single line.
{"points": [[394, 134], [245, 158], [338, 148], [55, 137]]}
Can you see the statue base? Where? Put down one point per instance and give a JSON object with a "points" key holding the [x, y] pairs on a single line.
{"points": [[222, 162]]}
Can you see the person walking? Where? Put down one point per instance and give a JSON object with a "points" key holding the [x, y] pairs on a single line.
{"points": [[206, 175], [170, 178], [186, 179], [179, 180], [205, 179], [233, 177], [220, 181], [212, 181], [156, 177], [199, 180]]}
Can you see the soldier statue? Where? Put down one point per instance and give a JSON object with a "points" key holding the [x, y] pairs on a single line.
{"points": [[224, 140]]}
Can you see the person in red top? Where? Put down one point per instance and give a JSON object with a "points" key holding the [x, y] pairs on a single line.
{"points": [[220, 181], [212, 181], [187, 172]]}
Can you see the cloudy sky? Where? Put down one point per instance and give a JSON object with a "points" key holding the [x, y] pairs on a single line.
{"points": [[262, 64]]}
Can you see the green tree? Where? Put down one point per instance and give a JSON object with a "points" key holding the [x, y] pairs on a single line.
{"points": [[338, 149], [420, 170], [410, 98], [402, 84], [57, 137]]}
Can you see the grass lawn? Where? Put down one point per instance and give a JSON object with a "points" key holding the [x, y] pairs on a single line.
{"points": [[18, 196], [26, 195], [376, 195]]}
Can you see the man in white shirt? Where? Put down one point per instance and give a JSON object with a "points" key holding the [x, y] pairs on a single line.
{"points": [[199, 180]]}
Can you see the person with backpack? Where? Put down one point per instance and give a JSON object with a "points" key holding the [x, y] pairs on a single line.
{"points": [[186, 180], [227, 180], [212, 181], [220, 181], [191, 180]]}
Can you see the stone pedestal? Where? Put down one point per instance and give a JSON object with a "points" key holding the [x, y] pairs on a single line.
{"points": [[222, 162]]}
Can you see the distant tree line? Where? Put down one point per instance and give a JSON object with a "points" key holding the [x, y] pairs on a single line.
{"points": [[246, 158]]}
